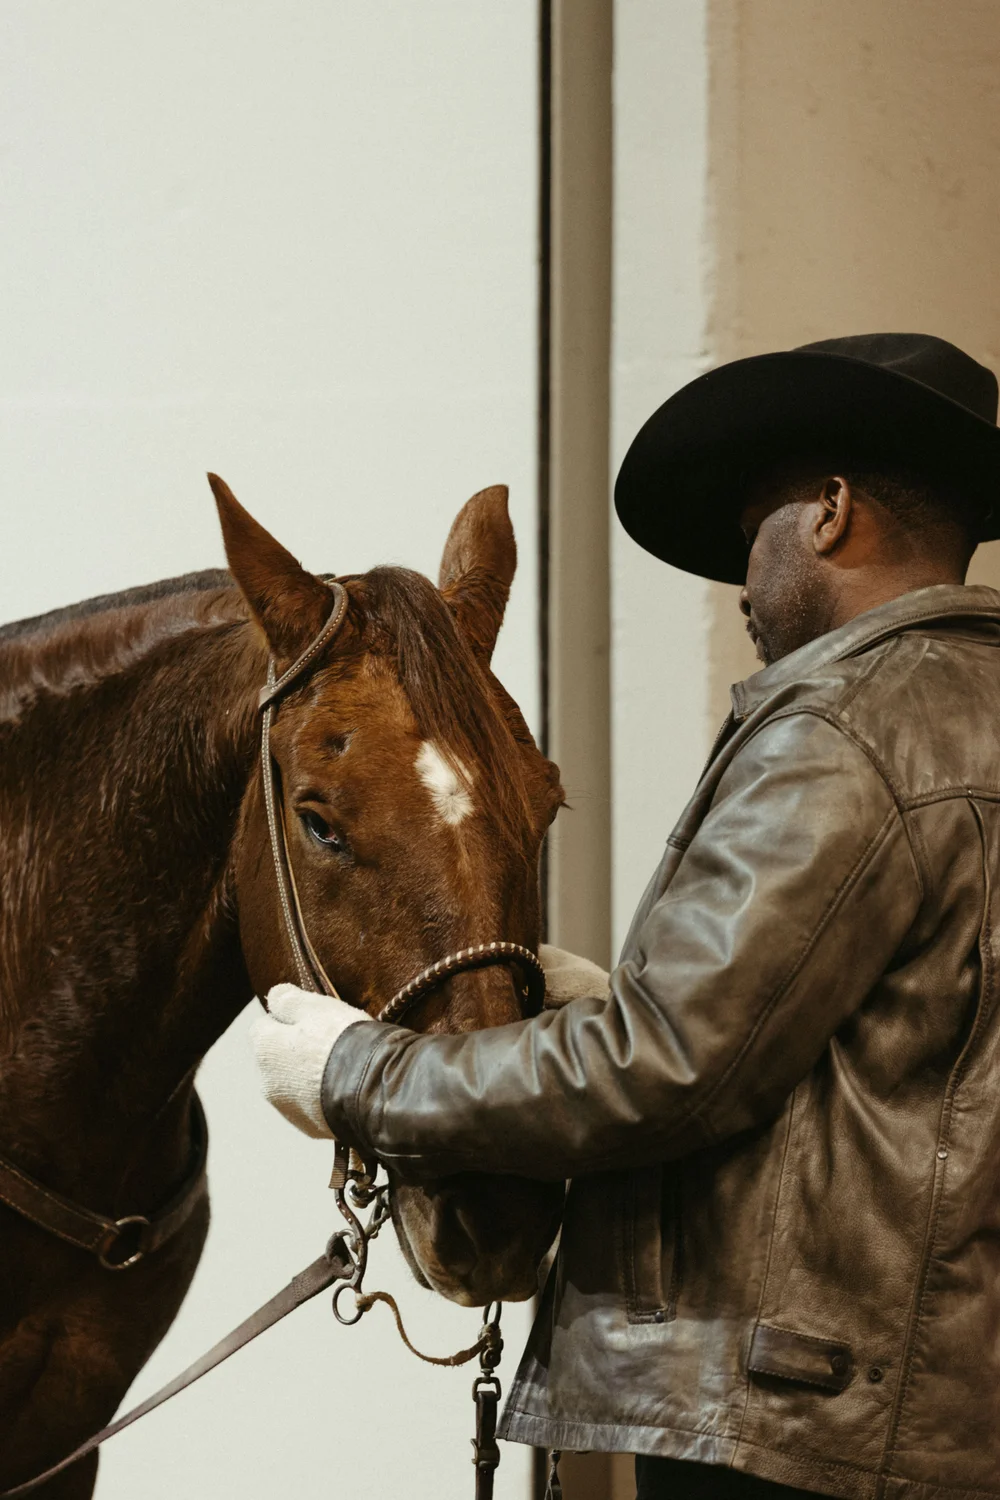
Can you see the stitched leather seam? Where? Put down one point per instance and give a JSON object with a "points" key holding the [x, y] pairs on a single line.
{"points": [[894, 791], [877, 662], [695, 1112], [25, 1213], [921, 854], [820, 1385], [866, 750], [639, 1309], [642, 1426], [770, 1245], [808, 1338], [40, 1191], [937, 1200], [826, 1466], [950, 793], [950, 1488]]}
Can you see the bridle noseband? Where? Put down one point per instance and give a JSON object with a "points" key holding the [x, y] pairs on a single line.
{"points": [[309, 968]]}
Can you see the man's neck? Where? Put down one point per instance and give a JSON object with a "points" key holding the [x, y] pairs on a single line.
{"points": [[868, 588]]}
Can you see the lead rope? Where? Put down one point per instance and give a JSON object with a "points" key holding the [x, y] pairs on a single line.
{"points": [[342, 1266], [355, 1190]]}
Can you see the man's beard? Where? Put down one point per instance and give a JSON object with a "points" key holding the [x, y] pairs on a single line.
{"points": [[790, 609], [790, 622]]}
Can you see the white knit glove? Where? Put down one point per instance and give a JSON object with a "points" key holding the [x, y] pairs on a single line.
{"points": [[569, 977], [292, 1040]]}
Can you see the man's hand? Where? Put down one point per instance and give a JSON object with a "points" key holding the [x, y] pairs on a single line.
{"points": [[292, 1040], [569, 977], [294, 1037]]}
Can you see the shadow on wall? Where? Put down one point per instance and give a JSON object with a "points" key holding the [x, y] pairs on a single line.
{"points": [[855, 187]]}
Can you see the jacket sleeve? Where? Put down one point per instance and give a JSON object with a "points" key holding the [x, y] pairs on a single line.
{"points": [[786, 908]]}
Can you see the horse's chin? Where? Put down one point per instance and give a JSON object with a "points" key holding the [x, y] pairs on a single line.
{"points": [[477, 1239]]}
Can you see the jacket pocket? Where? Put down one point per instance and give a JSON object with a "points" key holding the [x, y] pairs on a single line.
{"points": [[651, 1246], [801, 1358]]}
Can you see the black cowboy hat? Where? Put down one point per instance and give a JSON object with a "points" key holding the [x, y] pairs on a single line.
{"points": [[906, 399]]}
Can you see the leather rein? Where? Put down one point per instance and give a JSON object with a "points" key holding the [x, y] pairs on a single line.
{"points": [[344, 1261]]}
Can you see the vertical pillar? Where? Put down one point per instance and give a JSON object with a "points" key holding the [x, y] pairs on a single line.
{"points": [[576, 318], [575, 332], [662, 718]]}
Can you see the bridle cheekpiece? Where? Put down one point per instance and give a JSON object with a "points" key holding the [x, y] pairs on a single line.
{"points": [[309, 967]]}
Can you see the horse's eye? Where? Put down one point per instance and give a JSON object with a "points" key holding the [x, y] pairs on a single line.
{"points": [[321, 831]]}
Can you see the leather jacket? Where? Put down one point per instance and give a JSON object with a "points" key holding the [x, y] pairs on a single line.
{"points": [[781, 1245]]}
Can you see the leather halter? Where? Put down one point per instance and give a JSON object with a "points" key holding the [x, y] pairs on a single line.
{"points": [[311, 973], [117, 1243]]}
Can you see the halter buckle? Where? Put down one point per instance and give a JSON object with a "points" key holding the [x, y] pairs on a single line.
{"points": [[114, 1233]]}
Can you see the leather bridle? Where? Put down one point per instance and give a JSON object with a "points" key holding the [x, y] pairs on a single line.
{"points": [[118, 1243], [309, 968]]}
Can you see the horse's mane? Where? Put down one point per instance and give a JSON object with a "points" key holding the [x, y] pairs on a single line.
{"points": [[402, 616], [144, 593]]}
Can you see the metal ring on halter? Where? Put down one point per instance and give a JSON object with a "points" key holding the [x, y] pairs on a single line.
{"points": [[114, 1233], [359, 1312]]}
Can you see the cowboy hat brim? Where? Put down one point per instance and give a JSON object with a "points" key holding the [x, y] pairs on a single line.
{"points": [[679, 492]]}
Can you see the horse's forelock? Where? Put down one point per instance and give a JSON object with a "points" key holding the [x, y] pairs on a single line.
{"points": [[403, 614]]}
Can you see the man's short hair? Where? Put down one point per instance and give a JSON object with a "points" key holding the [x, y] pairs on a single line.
{"points": [[918, 501]]}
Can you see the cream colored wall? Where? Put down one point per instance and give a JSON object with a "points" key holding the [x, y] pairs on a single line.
{"points": [[294, 241], [579, 868], [854, 177], [661, 717]]}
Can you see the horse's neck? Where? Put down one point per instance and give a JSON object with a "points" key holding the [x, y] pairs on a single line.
{"points": [[124, 757]]}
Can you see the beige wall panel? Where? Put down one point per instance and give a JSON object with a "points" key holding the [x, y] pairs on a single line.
{"points": [[662, 724], [855, 182], [579, 907]]}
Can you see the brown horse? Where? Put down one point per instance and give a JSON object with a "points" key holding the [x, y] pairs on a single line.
{"points": [[139, 911]]}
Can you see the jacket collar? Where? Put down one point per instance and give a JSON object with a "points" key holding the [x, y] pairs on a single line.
{"points": [[942, 601]]}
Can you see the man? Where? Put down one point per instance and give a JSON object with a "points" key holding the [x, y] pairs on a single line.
{"points": [[779, 1271]]}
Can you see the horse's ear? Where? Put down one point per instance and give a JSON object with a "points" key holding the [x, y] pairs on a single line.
{"points": [[289, 604], [478, 566]]}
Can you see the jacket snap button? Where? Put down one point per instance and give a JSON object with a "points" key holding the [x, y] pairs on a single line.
{"points": [[658, 1315], [838, 1363], [942, 1155], [875, 1374]]}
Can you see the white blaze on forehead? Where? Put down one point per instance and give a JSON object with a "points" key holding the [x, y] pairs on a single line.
{"points": [[448, 784]]}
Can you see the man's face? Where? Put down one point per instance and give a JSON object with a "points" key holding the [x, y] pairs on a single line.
{"points": [[784, 598]]}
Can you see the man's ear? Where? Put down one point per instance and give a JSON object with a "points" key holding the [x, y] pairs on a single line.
{"points": [[289, 604], [836, 504], [478, 566]]}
